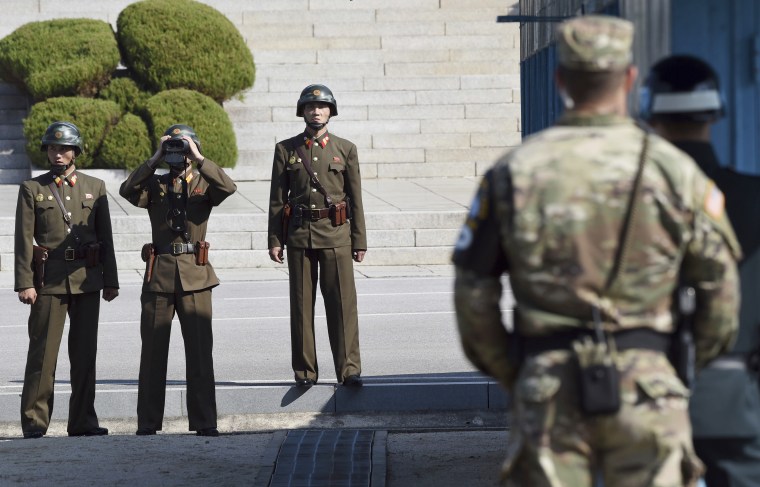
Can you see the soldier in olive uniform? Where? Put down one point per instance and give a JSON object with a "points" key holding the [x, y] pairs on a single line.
{"points": [[319, 240], [596, 222], [681, 100], [66, 213], [177, 277]]}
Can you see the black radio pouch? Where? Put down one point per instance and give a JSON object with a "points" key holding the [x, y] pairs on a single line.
{"points": [[600, 389]]}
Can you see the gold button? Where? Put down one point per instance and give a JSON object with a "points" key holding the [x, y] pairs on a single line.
{"points": [[69, 213], [68, 198], [316, 159], [313, 206], [313, 190], [50, 197]]}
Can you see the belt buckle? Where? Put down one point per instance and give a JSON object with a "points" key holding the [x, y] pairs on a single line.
{"points": [[314, 215], [68, 254], [178, 248]]}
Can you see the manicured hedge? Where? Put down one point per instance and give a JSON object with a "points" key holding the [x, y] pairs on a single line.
{"points": [[204, 115], [170, 44], [94, 118], [127, 145], [62, 57], [126, 93]]}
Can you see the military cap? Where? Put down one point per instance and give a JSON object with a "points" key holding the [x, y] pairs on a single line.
{"points": [[595, 43]]}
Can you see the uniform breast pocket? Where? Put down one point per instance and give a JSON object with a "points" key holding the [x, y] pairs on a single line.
{"points": [[88, 207], [47, 211], [337, 167]]}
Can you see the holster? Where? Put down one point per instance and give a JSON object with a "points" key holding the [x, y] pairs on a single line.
{"points": [[201, 252], [338, 214], [92, 254], [682, 353], [148, 255], [287, 211], [598, 377], [39, 257]]}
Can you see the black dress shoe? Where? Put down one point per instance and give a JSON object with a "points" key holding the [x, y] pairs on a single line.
{"points": [[353, 381], [93, 432], [33, 434], [145, 432], [207, 432], [305, 382]]}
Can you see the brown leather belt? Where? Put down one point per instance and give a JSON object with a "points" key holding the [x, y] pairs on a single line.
{"points": [[314, 214], [175, 248]]}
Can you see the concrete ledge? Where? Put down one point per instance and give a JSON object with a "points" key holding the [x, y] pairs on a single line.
{"points": [[119, 401]]}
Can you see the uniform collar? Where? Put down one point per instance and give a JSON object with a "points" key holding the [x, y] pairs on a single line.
{"points": [[581, 119], [322, 141], [69, 178]]}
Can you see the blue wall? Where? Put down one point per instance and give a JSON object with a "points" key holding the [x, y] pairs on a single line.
{"points": [[726, 33]]}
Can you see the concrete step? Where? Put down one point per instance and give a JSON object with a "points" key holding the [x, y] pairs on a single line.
{"points": [[13, 176], [12, 116], [11, 131], [14, 102], [11, 160]]}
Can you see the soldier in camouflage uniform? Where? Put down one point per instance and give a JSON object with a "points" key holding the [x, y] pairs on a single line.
{"points": [[551, 214]]}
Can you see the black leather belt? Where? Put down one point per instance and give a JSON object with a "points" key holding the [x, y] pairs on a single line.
{"points": [[175, 248], [67, 254], [644, 338]]}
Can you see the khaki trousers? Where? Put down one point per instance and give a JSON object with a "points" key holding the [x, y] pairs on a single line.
{"points": [[46, 321], [334, 270], [194, 312]]}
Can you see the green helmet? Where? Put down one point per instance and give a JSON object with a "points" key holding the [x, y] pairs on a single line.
{"points": [[178, 130], [63, 133], [317, 93]]}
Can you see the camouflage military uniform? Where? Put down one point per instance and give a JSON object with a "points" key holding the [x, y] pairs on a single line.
{"points": [[550, 214]]}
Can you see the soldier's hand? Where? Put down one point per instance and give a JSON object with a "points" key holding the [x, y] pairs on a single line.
{"points": [[110, 293], [27, 296], [159, 151], [195, 154], [275, 253], [358, 255]]}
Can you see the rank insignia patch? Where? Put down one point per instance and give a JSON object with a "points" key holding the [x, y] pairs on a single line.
{"points": [[39, 197]]}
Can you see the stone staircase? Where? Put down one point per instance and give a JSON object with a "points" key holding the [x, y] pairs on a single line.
{"points": [[425, 88]]}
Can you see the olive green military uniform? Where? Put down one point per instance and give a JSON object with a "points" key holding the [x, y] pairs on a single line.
{"points": [[316, 243], [69, 288], [177, 284], [550, 214]]}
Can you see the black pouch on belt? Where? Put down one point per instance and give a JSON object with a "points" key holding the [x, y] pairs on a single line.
{"points": [[92, 254], [598, 378]]}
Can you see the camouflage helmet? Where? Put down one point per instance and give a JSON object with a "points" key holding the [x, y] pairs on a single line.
{"points": [[317, 93], [595, 43], [681, 87], [178, 130], [62, 133]]}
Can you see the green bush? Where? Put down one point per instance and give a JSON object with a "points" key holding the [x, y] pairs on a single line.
{"points": [[170, 44], [95, 119], [127, 145], [204, 115], [126, 93], [63, 57]]}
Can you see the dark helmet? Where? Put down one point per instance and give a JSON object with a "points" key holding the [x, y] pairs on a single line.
{"points": [[178, 130], [317, 93], [62, 133], [681, 88]]}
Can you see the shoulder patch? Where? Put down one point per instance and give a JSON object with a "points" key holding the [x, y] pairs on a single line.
{"points": [[715, 202]]}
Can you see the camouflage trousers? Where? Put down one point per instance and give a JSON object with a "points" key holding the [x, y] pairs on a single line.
{"points": [[646, 443]]}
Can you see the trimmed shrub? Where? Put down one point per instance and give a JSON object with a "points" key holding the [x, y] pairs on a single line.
{"points": [[204, 115], [62, 57], [127, 145], [95, 118], [169, 44], [126, 93]]}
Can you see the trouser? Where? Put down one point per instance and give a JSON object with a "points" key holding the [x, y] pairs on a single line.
{"points": [[730, 462], [194, 311], [647, 442], [46, 320], [335, 271]]}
